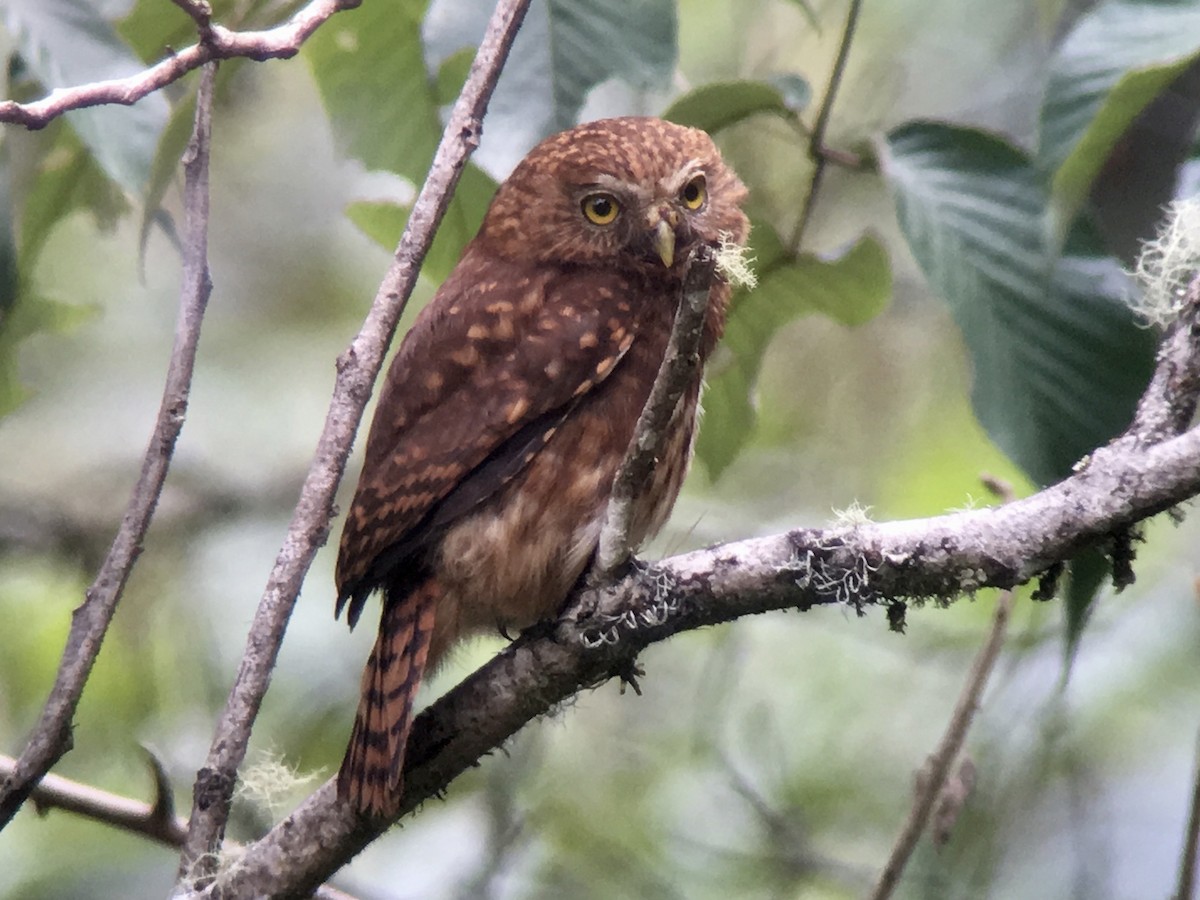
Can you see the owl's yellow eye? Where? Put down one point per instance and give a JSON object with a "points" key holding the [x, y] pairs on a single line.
{"points": [[601, 209], [694, 193]]}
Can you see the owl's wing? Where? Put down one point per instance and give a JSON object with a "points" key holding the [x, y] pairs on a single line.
{"points": [[487, 373]]}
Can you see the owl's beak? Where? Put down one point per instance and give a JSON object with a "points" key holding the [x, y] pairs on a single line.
{"points": [[664, 242]]}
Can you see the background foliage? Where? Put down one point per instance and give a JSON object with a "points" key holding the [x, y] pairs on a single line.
{"points": [[956, 303]]}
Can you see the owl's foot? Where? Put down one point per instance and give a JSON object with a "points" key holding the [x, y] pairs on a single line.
{"points": [[652, 602], [629, 671]]}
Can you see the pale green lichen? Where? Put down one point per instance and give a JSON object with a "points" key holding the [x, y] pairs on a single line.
{"points": [[734, 263], [269, 782], [853, 516], [1169, 263]]}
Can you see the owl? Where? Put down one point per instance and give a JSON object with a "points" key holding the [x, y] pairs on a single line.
{"points": [[510, 405]]}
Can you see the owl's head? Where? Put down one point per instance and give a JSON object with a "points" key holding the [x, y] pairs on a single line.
{"points": [[633, 192]]}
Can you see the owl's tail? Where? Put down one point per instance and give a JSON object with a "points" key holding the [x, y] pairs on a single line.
{"points": [[371, 774]]}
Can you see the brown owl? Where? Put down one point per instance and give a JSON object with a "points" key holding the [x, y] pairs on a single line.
{"points": [[512, 401]]}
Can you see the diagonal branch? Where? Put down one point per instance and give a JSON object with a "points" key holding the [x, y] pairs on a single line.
{"points": [[938, 767], [678, 368], [51, 736], [216, 43], [943, 557], [357, 370]]}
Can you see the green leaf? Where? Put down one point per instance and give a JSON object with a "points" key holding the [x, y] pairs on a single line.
{"points": [[66, 43], [370, 69], [150, 27], [724, 103], [383, 222], [564, 49], [1114, 63], [851, 288], [69, 179], [592, 41], [75, 181], [153, 26], [30, 314], [452, 75], [379, 220], [1058, 359], [20, 316], [795, 89]]}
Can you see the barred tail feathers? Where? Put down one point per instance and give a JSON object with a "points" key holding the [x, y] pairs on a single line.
{"points": [[371, 774]]}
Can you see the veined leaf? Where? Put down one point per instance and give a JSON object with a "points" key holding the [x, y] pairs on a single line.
{"points": [[724, 103], [384, 222], [69, 178], [66, 43], [1114, 63], [592, 41], [370, 68], [1058, 359], [564, 49]]}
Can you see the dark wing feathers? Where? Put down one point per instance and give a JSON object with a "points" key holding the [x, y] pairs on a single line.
{"points": [[487, 372]]}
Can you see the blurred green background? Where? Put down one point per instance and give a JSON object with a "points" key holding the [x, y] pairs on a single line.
{"points": [[771, 758]]}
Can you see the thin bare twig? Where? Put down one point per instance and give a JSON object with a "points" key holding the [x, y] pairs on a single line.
{"points": [[1185, 887], [51, 736], [817, 151], [357, 370], [937, 768], [281, 42], [146, 819], [677, 371]]}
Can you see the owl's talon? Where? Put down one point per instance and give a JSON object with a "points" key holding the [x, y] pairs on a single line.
{"points": [[629, 672]]}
